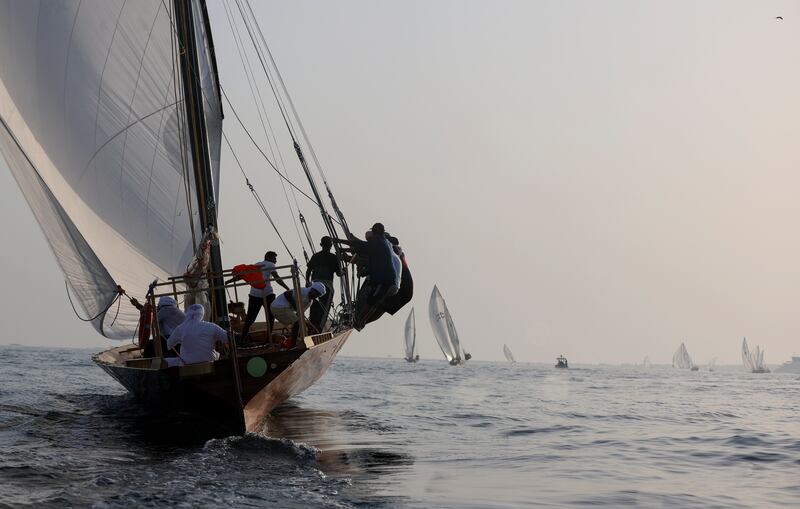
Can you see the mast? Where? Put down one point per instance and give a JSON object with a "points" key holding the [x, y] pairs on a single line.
{"points": [[201, 164], [198, 140]]}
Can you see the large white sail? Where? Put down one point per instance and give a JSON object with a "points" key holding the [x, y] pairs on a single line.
{"points": [[508, 354], [437, 312], [681, 358], [91, 127], [410, 336]]}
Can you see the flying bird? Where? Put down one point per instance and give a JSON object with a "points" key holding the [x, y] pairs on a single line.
{"points": [[779, 17]]}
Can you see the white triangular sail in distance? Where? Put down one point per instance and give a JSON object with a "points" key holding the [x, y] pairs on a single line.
{"points": [[508, 354], [437, 312], [91, 125], [681, 358], [410, 336], [747, 359]]}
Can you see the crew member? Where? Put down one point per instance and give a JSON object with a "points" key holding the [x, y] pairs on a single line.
{"points": [[394, 303], [284, 307], [321, 268], [382, 279], [169, 316], [198, 339], [262, 297]]}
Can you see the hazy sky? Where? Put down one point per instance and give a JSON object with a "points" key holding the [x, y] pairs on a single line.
{"points": [[594, 178]]}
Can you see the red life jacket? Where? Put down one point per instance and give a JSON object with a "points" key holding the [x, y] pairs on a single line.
{"points": [[251, 274], [145, 324]]}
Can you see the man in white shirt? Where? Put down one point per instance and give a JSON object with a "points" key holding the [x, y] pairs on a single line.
{"points": [[198, 339], [259, 298], [284, 307]]}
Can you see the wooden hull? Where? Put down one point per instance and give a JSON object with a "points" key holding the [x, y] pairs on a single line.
{"points": [[208, 390]]}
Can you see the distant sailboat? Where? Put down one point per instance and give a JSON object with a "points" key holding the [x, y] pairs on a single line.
{"points": [[712, 364], [682, 360], [411, 338], [647, 362], [508, 354], [754, 361], [445, 330]]}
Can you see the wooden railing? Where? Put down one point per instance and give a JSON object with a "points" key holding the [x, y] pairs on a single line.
{"points": [[177, 286]]}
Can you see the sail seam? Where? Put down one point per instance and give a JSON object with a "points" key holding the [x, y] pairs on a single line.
{"points": [[102, 77]]}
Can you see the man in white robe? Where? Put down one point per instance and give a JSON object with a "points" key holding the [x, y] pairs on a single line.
{"points": [[198, 339]]}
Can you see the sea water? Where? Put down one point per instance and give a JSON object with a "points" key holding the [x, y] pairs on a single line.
{"points": [[385, 433]]}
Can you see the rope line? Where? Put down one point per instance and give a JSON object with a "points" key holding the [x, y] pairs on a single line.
{"points": [[326, 218], [120, 293], [303, 132], [263, 116], [264, 155], [256, 195]]}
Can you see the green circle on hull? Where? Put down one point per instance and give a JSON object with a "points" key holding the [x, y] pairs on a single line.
{"points": [[256, 367]]}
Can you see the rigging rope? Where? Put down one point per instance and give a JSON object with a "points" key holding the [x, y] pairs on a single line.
{"points": [[264, 155], [327, 219], [256, 195], [281, 106], [306, 138], [284, 112], [255, 93]]}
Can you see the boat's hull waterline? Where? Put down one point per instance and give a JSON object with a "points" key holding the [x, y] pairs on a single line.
{"points": [[208, 389]]}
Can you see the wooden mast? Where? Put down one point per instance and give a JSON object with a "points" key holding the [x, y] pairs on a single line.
{"points": [[201, 164]]}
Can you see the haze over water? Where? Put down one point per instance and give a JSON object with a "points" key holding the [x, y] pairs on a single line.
{"points": [[383, 433]]}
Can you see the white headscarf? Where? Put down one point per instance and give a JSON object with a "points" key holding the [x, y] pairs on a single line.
{"points": [[195, 313], [319, 287], [196, 337], [166, 301]]}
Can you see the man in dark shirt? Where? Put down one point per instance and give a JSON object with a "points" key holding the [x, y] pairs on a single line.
{"points": [[321, 267], [382, 279]]}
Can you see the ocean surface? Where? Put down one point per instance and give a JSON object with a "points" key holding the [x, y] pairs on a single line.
{"points": [[384, 433]]}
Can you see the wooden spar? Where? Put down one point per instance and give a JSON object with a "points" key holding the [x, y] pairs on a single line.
{"points": [[301, 335], [198, 139]]}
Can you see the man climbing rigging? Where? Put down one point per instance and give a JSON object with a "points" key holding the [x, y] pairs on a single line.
{"points": [[382, 279]]}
